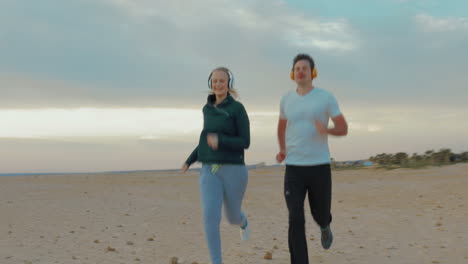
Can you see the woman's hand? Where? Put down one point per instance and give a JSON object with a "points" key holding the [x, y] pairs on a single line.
{"points": [[212, 140], [185, 167]]}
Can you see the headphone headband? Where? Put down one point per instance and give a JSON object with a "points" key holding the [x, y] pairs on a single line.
{"points": [[228, 72]]}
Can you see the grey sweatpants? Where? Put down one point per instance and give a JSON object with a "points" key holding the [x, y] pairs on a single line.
{"points": [[226, 186]]}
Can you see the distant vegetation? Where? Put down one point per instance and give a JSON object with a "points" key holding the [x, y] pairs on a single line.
{"points": [[402, 160]]}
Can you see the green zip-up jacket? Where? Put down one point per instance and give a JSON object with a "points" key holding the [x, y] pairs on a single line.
{"points": [[230, 122]]}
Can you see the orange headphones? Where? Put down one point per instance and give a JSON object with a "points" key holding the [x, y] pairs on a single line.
{"points": [[314, 74]]}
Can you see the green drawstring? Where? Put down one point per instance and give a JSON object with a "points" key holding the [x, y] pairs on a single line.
{"points": [[215, 168]]}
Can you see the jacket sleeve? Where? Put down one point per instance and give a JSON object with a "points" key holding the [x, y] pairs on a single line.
{"points": [[193, 157], [242, 140]]}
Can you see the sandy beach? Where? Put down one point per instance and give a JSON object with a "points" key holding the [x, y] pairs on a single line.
{"points": [[379, 216]]}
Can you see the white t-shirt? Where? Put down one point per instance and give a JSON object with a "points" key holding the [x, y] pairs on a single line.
{"points": [[304, 144]]}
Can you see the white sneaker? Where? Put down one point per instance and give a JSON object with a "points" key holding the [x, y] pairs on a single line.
{"points": [[245, 232]]}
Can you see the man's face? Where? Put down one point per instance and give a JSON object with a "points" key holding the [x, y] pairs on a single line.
{"points": [[302, 72]]}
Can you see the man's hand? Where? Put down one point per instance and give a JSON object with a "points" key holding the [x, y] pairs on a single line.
{"points": [[340, 127], [281, 156], [320, 128], [212, 140]]}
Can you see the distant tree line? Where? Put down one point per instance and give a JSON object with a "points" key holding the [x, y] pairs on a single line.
{"points": [[401, 159]]}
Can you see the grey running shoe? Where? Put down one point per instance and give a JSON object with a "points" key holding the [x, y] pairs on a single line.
{"points": [[327, 237]]}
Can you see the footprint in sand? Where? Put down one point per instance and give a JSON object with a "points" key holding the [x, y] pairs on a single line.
{"points": [[316, 259], [110, 249], [268, 255]]}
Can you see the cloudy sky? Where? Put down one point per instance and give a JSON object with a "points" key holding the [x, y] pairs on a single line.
{"points": [[98, 85]]}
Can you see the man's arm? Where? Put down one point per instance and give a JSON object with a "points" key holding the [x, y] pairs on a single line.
{"points": [[340, 127], [282, 123]]}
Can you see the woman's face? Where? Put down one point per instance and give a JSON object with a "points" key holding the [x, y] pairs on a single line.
{"points": [[219, 83]]}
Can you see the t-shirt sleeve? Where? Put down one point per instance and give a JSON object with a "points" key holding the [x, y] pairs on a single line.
{"points": [[333, 108], [282, 112]]}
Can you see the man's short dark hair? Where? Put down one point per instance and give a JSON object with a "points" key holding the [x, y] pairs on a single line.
{"points": [[303, 56]]}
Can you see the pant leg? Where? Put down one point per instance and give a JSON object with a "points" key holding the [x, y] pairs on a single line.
{"points": [[211, 190], [235, 178], [319, 191], [294, 193]]}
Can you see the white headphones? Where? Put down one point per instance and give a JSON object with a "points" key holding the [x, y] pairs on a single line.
{"points": [[229, 73]]}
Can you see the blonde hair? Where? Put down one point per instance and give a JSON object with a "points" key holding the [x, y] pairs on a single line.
{"points": [[231, 90]]}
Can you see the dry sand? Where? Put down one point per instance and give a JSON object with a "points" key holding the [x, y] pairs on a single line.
{"points": [[379, 216]]}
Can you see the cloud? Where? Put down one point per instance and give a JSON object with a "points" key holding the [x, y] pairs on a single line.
{"points": [[359, 127], [92, 122], [150, 138], [23, 91], [373, 128], [142, 53], [448, 24], [148, 53], [263, 18]]}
